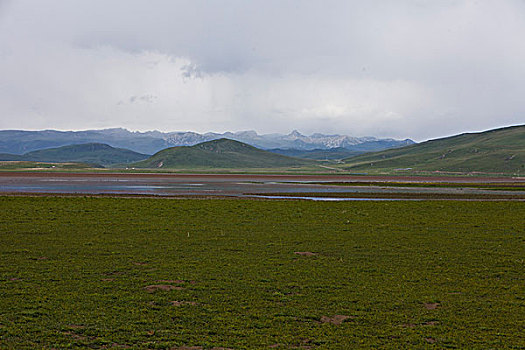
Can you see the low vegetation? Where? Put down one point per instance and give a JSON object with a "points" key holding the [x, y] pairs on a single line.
{"points": [[172, 274], [494, 151], [90, 153], [26, 165], [219, 154], [333, 154]]}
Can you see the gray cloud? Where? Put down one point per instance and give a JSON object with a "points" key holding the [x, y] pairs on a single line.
{"points": [[412, 68]]}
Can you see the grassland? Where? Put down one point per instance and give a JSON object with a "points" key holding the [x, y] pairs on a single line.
{"points": [[220, 154], [41, 166], [495, 151], [75, 274], [88, 153]]}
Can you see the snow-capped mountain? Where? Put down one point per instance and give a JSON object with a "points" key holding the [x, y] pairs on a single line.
{"points": [[293, 140]]}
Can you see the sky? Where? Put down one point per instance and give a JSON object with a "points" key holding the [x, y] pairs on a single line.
{"points": [[417, 69]]}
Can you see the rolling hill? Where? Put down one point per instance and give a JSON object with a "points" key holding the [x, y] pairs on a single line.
{"points": [[317, 154], [221, 153], [91, 153], [337, 153], [494, 151]]}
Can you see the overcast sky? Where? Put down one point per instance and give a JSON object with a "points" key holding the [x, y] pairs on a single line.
{"points": [[409, 68]]}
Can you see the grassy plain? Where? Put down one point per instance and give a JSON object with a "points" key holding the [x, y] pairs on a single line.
{"points": [[39, 166], [26, 166], [429, 274]]}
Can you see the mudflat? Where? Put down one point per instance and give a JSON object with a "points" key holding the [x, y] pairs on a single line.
{"points": [[240, 185]]}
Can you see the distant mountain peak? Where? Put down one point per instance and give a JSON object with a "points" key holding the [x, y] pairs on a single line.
{"points": [[295, 133]]}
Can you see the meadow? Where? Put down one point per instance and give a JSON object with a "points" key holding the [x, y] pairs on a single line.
{"points": [[149, 273]]}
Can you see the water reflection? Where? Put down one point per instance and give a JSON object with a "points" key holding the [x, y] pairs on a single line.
{"points": [[332, 199]]}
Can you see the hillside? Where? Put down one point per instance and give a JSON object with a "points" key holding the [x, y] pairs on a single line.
{"points": [[222, 153], [337, 153], [317, 154], [494, 151], [92, 153]]}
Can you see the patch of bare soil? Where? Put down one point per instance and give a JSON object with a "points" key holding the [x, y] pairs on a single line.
{"points": [[182, 302], [305, 253], [107, 279], [306, 344], [140, 263], [430, 340], [430, 323], [408, 325], [164, 287], [431, 306], [77, 336], [336, 319], [197, 348]]}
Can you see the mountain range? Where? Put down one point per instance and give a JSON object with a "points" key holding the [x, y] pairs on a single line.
{"points": [[494, 151], [22, 141]]}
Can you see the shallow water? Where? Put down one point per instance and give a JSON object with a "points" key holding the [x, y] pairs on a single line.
{"points": [[269, 186], [334, 199]]}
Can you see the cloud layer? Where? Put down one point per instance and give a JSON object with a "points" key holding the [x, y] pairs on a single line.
{"points": [[416, 68]]}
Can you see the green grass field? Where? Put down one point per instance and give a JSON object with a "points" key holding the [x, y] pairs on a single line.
{"points": [[39, 166], [429, 274], [494, 151]]}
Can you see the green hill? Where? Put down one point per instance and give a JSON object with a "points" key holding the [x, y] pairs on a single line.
{"points": [[10, 157], [221, 153], [317, 154], [92, 153], [494, 151]]}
